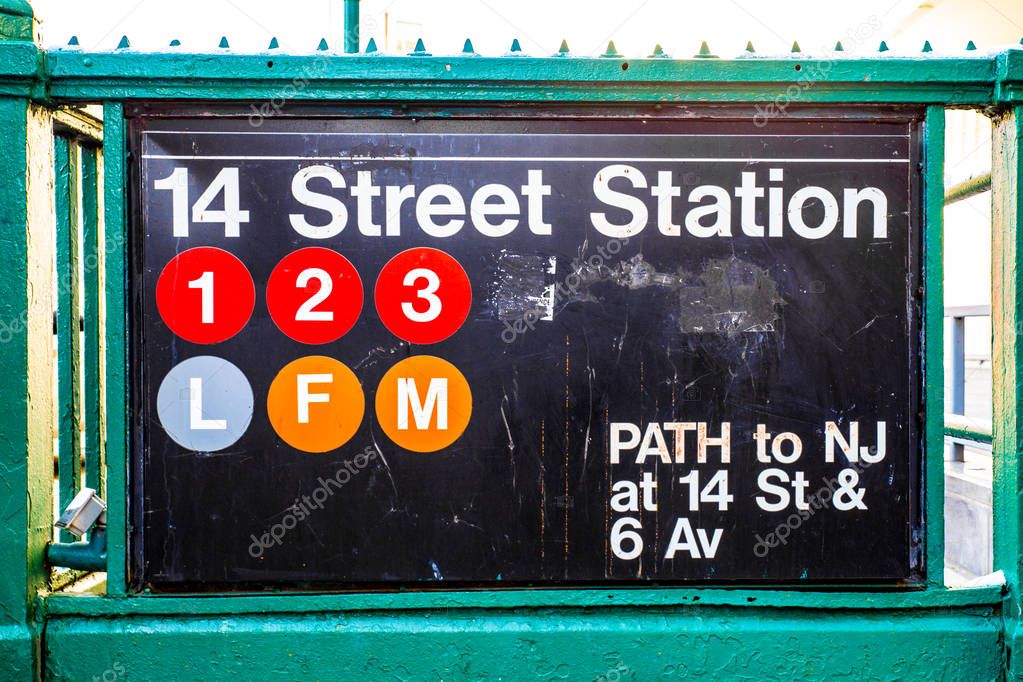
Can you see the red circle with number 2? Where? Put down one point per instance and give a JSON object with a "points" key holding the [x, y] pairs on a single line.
{"points": [[205, 295], [423, 295], [314, 295]]}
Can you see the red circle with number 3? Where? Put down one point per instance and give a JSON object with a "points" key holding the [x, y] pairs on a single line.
{"points": [[423, 295], [205, 295], [314, 295]]}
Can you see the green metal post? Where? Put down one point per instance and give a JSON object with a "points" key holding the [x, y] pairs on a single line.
{"points": [[66, 191], [1007, 363], [115, 341], [25, 330], [92, 377], [351, 26], [934, 372]]}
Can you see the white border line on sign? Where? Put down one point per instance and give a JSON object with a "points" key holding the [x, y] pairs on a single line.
{"points": [[574, 159], [532, 135]]}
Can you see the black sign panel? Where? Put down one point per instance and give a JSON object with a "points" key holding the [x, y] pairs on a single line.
{"points": [[538, 348]]}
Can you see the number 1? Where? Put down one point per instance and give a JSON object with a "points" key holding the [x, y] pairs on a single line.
{"points": [[205, 283]]}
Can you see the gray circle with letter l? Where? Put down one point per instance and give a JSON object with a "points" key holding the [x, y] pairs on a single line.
{"points": [[205, 403]]}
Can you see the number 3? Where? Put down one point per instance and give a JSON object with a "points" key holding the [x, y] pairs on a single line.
{"points": [[427, 293]]}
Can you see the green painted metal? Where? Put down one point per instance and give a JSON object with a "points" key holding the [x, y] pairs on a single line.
{"points": [[19, 546], [933, 344], [740, 631], [543, 644], [85, 556], [968, 188], [66, 322], [817, 600], [92, 382], [351, 26], [80, 75], [115, 339], [1007, 365], [16, 21], [968, 434]]}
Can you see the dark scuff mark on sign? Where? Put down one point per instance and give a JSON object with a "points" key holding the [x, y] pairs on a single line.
{"points": [[727, 296], [730, 296], [522, 286]]}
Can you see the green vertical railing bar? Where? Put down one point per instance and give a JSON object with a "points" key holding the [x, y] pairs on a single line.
{"points": [[115, 339], [66, 224], [1007, 360], [933, 342], [351, 26], [21, 534], [91, 381]]}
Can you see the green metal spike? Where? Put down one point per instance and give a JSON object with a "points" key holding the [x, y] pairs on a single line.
{"points": [[273, 44], [123, 44], [73, 42], [795, 46], [705, 52], [223, 43], [611, 50], [419, 50], [563, 51], [371, 46], [883, 47], [971, 46], [322, 46], [467, 47], [927, 46], [658, 52], [749, 47], [838, 47], [515, 47], [175, 43]]}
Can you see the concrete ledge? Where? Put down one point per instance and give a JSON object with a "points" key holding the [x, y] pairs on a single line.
{"points": [[719, 643]]}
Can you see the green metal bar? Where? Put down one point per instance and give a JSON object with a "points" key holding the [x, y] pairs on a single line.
{"points": [[1007, 361], [92, 381], [933, 341], [66, 326], [967, 188], [968, 434], [519, 599], [73, 74], [115, 339], [75, 295], [351, 26], [27, 474]]}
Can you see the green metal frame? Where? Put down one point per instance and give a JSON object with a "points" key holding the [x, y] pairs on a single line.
{"points": [[930, 621]]}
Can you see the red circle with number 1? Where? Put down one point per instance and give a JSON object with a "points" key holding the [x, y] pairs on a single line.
{"points": [[423, 295], [205, 295], [314, 295]]}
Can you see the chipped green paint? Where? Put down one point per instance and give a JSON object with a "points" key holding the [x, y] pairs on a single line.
{"points": [[545, 633], [1007, 361]]}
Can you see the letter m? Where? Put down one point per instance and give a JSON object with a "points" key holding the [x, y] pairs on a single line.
{"points": [[422, 411]]}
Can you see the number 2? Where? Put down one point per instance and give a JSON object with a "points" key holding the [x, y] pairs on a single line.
{"points": [[305, 312]]}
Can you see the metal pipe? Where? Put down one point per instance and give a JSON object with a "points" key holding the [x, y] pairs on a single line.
{"points": [[967, 188], [351, 26], [958, 377], [84, 556]]}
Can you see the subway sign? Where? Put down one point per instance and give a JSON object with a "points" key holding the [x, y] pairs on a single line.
{"points": [[521, 346]]}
